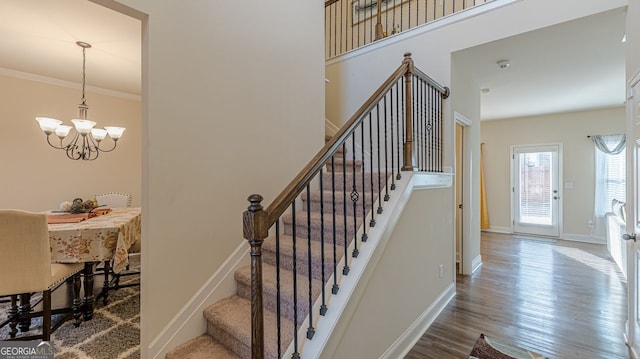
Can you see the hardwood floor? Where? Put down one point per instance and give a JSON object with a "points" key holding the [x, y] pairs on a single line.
{"points": [[561, 299]]}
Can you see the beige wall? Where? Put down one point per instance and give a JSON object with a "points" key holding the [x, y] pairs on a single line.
{"points": [[570, 130], [233, 96], [406, 273], [37, 177]]}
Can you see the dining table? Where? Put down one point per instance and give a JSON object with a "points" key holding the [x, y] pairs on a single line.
{"points": [[103, 238]]}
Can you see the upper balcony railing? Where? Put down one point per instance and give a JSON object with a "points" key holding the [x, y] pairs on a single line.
{"points": [[350, 24]]}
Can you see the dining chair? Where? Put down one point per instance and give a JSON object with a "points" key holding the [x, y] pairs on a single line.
{"points": [[114, 199], [26, 268], [111, 279]]}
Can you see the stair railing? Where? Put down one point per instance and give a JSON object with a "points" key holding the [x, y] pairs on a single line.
{"points": [[399, 128], [350, 24]]}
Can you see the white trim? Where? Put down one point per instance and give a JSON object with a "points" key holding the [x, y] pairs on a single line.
{"points": [[476, 263], [582, 238], [189, 323], [419, 30], [410, 337], [330, 128], [497, 229], [429, 180], [463, 120], [67, 84]]}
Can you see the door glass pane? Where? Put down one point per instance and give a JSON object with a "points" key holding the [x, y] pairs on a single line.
{"points": [[535, 188]]}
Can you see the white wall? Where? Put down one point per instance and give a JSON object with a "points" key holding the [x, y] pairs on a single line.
{"points": [[571, 130], [406, 273], [356, 75], [37, 177], [633, 39], [233, 96]]}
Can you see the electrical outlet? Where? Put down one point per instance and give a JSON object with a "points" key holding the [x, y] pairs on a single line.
{"points": [[441, 271]]}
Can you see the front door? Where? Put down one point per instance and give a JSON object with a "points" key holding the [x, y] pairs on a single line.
{"points": [[633, 214], [535, 190]]}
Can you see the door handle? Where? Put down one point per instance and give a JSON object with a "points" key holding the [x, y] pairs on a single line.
{"points": [[629, 237]]}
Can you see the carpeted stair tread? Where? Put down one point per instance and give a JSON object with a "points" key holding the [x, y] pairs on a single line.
{"points": [[286, 255], [317, 221], [339, 164], [269, 288], [202, 347], [339, 181], [229, 322], [330, 202]]}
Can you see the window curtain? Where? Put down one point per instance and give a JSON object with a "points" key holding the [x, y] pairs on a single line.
{"points": [[484, 210], [610, 178]]}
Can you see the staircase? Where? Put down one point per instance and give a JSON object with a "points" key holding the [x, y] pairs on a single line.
{"points": [[229, 320], [305, 240]]}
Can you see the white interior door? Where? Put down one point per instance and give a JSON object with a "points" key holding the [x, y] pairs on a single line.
{"points": [[633, 214], [535, 190]]}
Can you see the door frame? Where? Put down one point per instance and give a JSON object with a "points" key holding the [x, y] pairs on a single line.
{"points": [[632, 330], [466, 264], [560, 183]]}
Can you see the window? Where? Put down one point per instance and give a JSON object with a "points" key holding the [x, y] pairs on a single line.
{"points": [[610, 176]]}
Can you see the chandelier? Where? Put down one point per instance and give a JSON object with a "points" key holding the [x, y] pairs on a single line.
{"points": [[85, 144]]}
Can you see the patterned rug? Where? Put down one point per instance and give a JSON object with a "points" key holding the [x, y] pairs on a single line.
{"points": [[113, 333], [490, 348]]}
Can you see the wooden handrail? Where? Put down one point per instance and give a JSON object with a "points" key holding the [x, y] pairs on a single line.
{"points": [[257, 220]]}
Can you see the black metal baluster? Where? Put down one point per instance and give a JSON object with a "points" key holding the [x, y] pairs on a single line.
{"points": [[402, 125], [372, 222], [296, 354], [323, 306], [426, 148], [354, 196], [435, 130], [386, 153], [401, 18], [419, 129], [393, 114], [378, 151], [417, 12], [399, 134], [434, 9], [331, 18], [310, 330], [409, 15], [440, 158], [340, 27], [278, 293], [345, 269], [335, 287], [364, 192]]}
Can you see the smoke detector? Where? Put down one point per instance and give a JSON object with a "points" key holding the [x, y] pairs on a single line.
{"points": [[503, 64]]}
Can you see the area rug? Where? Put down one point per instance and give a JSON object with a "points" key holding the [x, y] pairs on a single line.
{"points": [[113, 333], [490, 348]]}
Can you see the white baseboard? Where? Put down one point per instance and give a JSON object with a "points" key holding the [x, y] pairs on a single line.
{"points": [[476, 263], [189, 322], [410, 337], [582, 238], [496, 229]]}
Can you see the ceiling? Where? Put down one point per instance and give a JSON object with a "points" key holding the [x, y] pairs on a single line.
{"points": [[571, 66], [575, 65], [39, 37]]}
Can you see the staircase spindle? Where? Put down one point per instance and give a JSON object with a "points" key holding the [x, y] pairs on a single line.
{"points": [[310, 330], [323, 306], [364, 191], [278, 292], [335, 287], [386, 153], [354, 196], [345, 268], [379, 211], [294, 269], [372, 222]]}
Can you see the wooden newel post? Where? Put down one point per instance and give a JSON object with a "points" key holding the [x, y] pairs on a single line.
{"points": [[254, 224], [408, 110], [379, 29]]}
